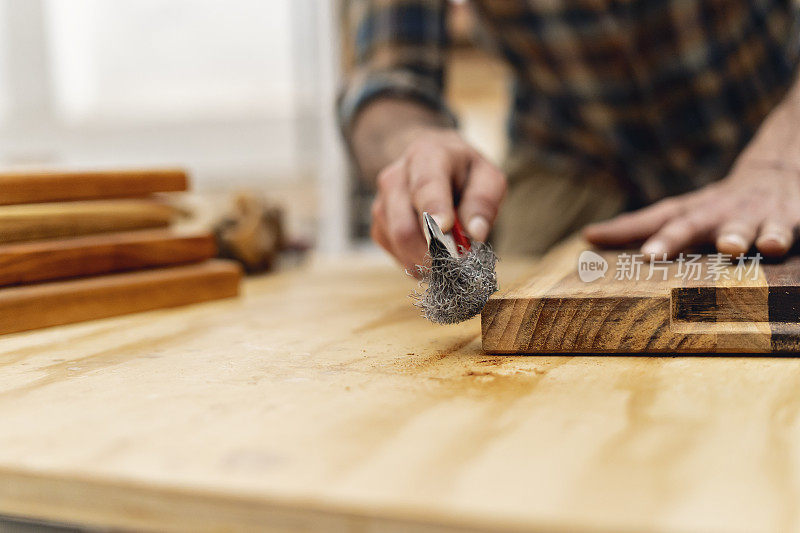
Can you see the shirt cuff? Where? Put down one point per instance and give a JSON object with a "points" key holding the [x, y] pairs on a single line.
{"points": [[363, 88]]}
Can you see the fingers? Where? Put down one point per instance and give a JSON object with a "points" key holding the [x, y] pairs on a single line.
{"points": [[680, 233], [634, 227], [735, 214], [481, 197], [775, 238], [378, 227], [736, 236], [424, 180], [400, 226], [430, 176]]}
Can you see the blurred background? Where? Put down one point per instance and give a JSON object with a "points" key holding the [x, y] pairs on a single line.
{"points": [[240, 92]]}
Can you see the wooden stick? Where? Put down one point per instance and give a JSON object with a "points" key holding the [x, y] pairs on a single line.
{"points": [[100, 254], [44, 221], [52, 186], [65, 302]]}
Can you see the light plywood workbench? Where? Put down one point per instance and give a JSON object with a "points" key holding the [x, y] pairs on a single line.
{"points": [[320, 401]]}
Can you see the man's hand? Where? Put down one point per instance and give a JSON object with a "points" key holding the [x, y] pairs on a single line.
{"points": [[756, 204], [434, 166], [418, 164]]}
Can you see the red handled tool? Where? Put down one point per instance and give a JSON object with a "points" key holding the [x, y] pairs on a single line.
{"points": [[461, 239]]}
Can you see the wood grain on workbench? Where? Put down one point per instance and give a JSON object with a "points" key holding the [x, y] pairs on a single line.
{"points": [[43, 260], [34, 186], [321, 401]]}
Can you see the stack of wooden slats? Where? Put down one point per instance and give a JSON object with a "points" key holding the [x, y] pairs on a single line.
{"points": [[77, 246]]}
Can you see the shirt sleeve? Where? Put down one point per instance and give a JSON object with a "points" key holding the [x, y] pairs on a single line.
{"points": [[398, 50]]}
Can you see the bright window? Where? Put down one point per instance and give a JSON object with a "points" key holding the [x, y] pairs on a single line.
{"points": [[146, 60]]}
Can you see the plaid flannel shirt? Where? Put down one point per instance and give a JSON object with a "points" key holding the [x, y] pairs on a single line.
{"points": [[663, 94]]}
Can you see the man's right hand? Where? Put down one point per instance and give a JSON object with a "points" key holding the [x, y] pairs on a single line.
{"points": [[434, 165]]}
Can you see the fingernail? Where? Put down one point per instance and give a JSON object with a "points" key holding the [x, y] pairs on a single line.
{"points": [[737, 241], [780, 240], [478, 228], [443, 221], [656, 248]]}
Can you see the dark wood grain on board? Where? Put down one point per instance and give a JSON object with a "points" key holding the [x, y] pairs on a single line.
{"points": [[556, 312]]}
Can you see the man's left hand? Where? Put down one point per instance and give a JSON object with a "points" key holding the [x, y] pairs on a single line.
{"points": [[754, 204]]}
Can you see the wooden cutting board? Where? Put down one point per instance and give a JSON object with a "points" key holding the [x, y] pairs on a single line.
{"points": [[755, 309]]}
